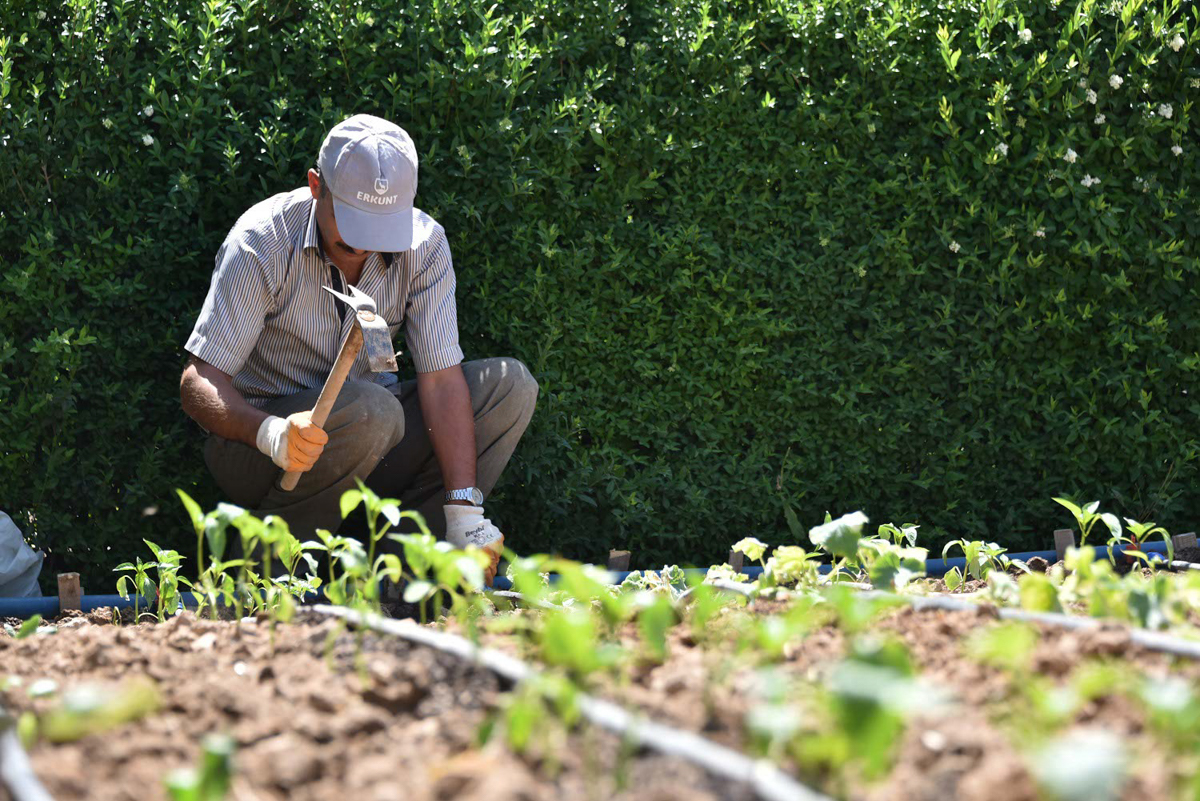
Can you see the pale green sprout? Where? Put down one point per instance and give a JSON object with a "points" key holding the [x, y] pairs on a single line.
{"points": [[211, 781], [840, 537], [904, 534], [139, 582], [751, 547], [1138, 534], [1083, 765], [981, 559], [1087, 516], [791, 564]]}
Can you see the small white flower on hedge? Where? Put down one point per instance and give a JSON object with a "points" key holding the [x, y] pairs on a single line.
{"points": [[1177, 43], [1083, 83], [148, 111], [955, 247], [107, 123], [147, 140], [1115, 81], [1002, 149], [1177, 150], [1040, 232], [41, 15], [1025, 35], [1071, 156], [1089, 181], [1091, 96], [620, 41], [1165, 111], [1196, 83], [506, 124], [1099, 119]]}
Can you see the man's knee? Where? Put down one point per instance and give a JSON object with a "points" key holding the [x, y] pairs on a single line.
{"points": [[506, 379], [367, 413], [523, 386]]}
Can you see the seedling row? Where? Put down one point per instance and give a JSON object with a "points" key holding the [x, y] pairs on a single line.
{"points": [[1061, 680]]}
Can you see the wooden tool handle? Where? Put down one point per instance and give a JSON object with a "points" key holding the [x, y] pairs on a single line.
{"points": [[333, 385]]}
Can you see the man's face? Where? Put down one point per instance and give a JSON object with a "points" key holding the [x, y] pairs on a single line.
{"points": [[336, 249]]}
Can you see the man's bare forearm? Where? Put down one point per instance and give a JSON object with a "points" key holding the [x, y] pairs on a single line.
{"points": [[209, 398], [450, 422]]}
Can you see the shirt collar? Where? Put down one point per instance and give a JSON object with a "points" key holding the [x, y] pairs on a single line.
{"points": [[311, 239]]}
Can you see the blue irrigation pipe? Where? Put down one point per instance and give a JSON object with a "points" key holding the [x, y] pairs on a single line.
{"points": [[47, 606]]}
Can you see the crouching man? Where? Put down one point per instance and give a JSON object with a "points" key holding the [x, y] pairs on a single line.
{"points": [[268, 334]]}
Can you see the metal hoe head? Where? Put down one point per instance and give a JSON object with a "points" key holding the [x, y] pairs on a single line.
{"points": [[377, 339]]}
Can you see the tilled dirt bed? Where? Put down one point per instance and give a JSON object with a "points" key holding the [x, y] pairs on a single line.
{"points": [[313, 717], [974, 748]]}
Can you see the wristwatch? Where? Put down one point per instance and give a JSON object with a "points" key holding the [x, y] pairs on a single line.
{"points": [[472, 494]]}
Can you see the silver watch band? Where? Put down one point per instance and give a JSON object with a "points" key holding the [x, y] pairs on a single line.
{"points": [[472, 494]]}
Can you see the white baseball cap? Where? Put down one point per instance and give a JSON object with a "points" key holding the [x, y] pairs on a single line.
{"points": [[370, 167]]}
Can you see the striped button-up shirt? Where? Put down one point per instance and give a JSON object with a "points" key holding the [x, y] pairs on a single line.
{"points": [[268, 323]]}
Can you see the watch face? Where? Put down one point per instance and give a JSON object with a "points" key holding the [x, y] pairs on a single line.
{"points": [[476, 496]]}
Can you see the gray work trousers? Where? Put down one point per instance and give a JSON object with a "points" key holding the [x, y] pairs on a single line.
{"points": [[378, 434]]}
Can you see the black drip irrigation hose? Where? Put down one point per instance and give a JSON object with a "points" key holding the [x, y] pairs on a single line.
{"points": [[16, 774], [768, 781]]}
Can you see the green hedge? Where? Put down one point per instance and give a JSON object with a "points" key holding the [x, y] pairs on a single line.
{"points": [[761, 255]]}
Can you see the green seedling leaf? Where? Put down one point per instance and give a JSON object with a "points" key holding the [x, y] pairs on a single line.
{"points": [[27, 729], [417, 591], [1072, 508], [215, 526], [392, 512], [29, 627], [654, 622], [90, 710], [840, 537], [1039, 593], [193, 509], [752, 548], [774, 722], [350, 500], [212, 780], [953, 579], [1007, 645], [1083, 765], [791, 564]]}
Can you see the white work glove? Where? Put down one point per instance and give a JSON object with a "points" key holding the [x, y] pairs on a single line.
{"points": [[293, 443], [466, 525]]}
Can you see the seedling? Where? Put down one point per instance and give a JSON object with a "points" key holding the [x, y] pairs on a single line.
{"points": [[209, 782], [903, 535], [139, 582], [1139, 533], [981, 559], [1087, 516], [91, 710]]}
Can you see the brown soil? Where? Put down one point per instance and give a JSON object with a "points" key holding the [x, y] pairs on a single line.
{"points": [[406, 726], [971, 750], [313, 718]]}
